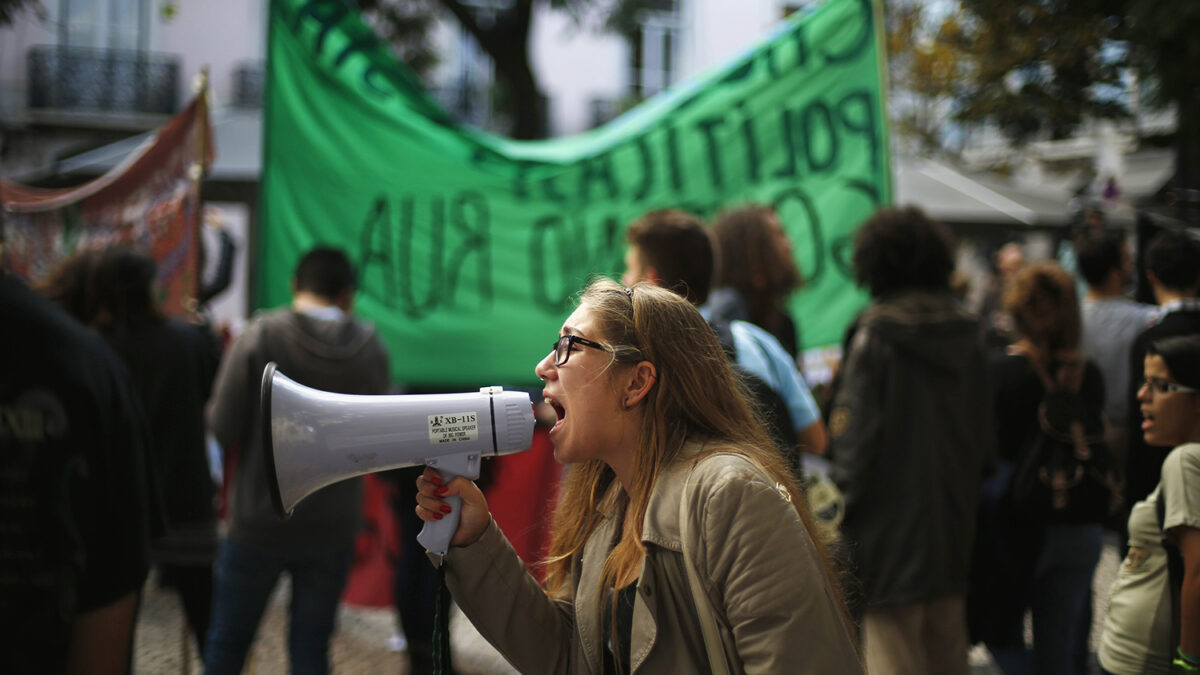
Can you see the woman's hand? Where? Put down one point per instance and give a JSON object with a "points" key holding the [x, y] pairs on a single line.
{"points": [[475, 515]]}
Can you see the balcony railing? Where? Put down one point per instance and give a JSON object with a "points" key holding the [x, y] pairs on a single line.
{"points": [[102, 80]]}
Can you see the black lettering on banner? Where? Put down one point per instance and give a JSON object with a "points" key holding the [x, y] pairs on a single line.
{"points": [[647, 161], [814, 114], [675, 172], [597, 168], [707, 127], [787, 135], [326, 14], [768, 57], [739, 73], [368, 77], [861, 41], [816, 237], [550, 189], [359, 43], [801, 46], [469, 215], [554, 301], [520, 187], [564, 239], [410, 304], [375, 245], [751, 143], [856, 112]]}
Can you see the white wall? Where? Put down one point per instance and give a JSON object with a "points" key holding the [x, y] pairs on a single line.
{"points": [[714, 31], [15, 42], [575, 64], [217, 33]]}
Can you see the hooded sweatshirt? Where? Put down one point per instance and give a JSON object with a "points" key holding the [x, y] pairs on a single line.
{"points": [[911, 430], [339, 355]]}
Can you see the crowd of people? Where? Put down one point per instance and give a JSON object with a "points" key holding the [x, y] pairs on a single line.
{"points": [[976, 464]]}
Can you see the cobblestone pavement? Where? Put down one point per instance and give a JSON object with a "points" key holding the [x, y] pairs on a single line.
{"points": [[361, 644]]}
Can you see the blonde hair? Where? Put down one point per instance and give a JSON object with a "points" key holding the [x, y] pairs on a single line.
{"points": [[696, 396]]}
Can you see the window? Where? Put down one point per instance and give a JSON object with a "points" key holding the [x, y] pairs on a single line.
{"points": [[654, 42], [104, 24]]}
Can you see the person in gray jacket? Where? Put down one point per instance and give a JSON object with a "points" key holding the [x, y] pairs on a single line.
{"points": [[317, 343], [911, 438], [680, 544]]}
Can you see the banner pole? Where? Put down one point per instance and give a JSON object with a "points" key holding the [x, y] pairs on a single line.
{"points": [[197, 172]]}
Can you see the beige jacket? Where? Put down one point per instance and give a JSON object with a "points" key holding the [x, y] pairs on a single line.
{"points": [[776, 612]]}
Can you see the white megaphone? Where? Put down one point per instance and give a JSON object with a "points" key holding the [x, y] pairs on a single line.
{"points": [[314, 438]]}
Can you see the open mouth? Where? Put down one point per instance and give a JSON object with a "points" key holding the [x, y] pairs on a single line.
{"points": [[559, 412]]}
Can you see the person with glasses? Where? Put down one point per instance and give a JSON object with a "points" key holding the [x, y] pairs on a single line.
{"points": [[672, 480], [1146, 630]]}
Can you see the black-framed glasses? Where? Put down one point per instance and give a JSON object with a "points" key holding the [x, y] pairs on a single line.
{"points": [[564, 345], [1157, 385]]}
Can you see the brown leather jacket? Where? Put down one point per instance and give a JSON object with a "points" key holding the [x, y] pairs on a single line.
{"points": [[775, 611]]}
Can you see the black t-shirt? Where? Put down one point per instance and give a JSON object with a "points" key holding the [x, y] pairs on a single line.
{"points": [[74, 525], [1019, 392]]}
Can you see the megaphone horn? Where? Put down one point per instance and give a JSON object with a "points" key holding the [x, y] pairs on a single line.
{"points": [[314, 438]]}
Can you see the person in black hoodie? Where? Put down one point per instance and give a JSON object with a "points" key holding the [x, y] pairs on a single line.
{"points": [[318, 343], [911, 437]]}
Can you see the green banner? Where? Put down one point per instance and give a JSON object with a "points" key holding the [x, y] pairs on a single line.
{"points": [[471, 247]]}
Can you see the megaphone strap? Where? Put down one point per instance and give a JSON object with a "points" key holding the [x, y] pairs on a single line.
{"points": [[441, 625]]}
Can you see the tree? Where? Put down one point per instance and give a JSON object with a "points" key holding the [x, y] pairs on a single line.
{"points": [[1162, 36], [502, 31], [10, 9], [925, 65], [1040, 68], [406, 26]]}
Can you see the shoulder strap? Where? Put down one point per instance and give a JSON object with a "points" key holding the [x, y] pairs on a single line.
{"points": [[704, 610], [1069, 367], [1174, 567]]}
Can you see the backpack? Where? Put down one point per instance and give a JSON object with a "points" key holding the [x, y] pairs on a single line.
{"points": [[1066, 472]]}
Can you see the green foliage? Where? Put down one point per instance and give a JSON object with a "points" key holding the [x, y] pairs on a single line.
{"points": [[926, 66], [11, 9], [406, 26], [1039, 68]]}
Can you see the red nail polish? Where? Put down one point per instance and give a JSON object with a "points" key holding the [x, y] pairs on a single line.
{"points": [[437, 516], [441, 492], [446, 508], [437, 480]]}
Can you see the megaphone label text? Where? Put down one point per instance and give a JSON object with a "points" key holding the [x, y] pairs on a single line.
{"points": [[453, 428]]}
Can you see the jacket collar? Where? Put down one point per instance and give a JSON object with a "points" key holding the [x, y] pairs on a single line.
{"points": [[659, 527]]}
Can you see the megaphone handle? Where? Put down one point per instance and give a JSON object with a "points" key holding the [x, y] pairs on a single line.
{"points": [[436, 535]]}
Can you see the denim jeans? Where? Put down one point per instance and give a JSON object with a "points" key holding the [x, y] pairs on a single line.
{"points": [[245, 577], [1061, 605]]}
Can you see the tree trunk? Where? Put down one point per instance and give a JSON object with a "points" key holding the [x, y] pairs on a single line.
{"points": [[1187, 161], [526, 104]]}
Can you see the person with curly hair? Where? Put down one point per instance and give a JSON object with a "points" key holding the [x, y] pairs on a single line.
{"points": [[911, 437]]}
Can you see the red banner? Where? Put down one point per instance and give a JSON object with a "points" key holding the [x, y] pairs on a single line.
{"points": [[151, 200]]}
